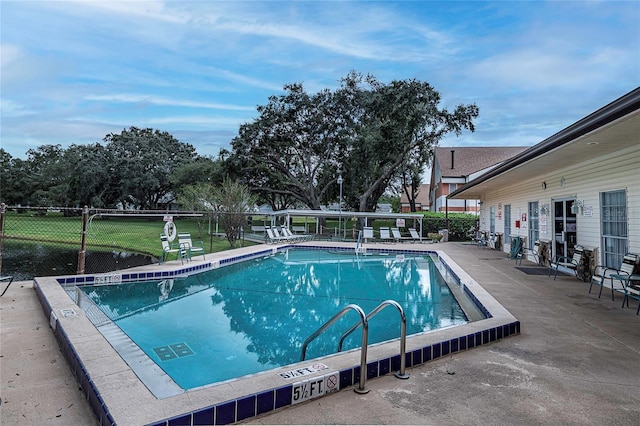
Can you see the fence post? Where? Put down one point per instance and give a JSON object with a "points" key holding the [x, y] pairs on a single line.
{"points": [[3, 209], [83, 240]]}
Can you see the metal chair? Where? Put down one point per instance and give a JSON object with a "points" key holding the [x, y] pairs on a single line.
{"points": [[601, 273], [168, 247], [190, 247], [571, 263]]}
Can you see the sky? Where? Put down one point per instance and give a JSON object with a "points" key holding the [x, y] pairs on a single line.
{"points": [[73, 72]]}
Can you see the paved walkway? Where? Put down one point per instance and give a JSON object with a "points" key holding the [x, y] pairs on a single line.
{"points": [[576, 362]]}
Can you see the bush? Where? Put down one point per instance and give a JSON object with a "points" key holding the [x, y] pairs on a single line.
{"points": [[460, 224]]}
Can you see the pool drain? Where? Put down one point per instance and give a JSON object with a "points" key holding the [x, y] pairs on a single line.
{"points": [[176, 350]]}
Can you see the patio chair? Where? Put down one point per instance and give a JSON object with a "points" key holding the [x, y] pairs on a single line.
{"points": [[396, 234], [384, 234], [191, 247], [525, 252], [601, 273], [7, 278], [273, 238], [571, 263], [367, 233], [286, 233], [168, 248], [517, 248], [481, 239], [414, 235], [632, 289]]}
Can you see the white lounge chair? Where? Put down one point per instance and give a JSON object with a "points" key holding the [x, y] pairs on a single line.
{"points": [[367, 233], [396, 234], [384, 234], [286, 233], [414, 235], [274, 237]]}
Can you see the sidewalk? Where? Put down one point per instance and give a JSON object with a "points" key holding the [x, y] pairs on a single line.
{"points": [[574, 363]]}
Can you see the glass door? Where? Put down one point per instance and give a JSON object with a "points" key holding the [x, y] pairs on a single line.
{"points": [[564, 227]]}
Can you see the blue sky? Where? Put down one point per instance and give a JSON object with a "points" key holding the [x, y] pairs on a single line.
{"points": [[74, 71]]}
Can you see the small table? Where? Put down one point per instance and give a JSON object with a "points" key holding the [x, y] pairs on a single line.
{"points": [[626, 279]]}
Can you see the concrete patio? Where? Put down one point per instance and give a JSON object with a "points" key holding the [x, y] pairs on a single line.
{"points": [[575, 362]]}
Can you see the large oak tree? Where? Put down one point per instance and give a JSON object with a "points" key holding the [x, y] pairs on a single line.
{"points": [[368, 131]]}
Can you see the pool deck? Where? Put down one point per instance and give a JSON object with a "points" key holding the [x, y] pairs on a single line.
{"points": [[576, 361]]}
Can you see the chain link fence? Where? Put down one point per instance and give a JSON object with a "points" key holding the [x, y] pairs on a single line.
{"points": [[38, 241], [49, 241]]}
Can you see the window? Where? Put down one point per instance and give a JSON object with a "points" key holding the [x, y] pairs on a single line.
{"points": [[534, 224], [452, 187], [613, 226]]}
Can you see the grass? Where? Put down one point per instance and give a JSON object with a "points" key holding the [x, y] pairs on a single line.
{"points": [[138, 235]]}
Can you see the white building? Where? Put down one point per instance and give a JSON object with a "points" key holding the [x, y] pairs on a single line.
{"points": [[579, 186]]}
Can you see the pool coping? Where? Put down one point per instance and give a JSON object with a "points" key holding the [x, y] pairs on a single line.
{"points": [[117, 396]]}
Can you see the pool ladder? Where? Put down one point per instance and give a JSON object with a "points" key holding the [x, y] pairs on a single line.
{"points": [[364, 323], [360, 249]]}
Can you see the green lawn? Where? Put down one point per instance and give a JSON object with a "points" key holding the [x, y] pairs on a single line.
{"points": [[139, 235]]}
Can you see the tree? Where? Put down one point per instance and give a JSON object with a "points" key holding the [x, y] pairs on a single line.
{"points": [[143, 161], [14, 188], [197, 197], [368, 131], [392, 122], [232, 201], [47, 177], [90, 181], [200, 170], [285, 152]]}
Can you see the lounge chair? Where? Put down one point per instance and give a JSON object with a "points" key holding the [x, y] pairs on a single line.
{"points": [[603, 273], [571, 263], [7, 278], [273, 237], [286, 233], [414, 235], [367, 233], [168, 248], [384, 234], [396, 234], [191, 247]]}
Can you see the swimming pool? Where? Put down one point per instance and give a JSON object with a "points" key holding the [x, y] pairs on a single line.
{"points": [[118, 395], [255, 315]]}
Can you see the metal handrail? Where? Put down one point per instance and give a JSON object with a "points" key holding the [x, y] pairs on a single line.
{"points": [[363, 349], [403, 334]]}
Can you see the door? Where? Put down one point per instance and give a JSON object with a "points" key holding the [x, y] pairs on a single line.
{"points": [[565, 230]]}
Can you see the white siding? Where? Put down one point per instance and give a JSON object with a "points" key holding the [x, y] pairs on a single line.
{"points": [[619, 171]]}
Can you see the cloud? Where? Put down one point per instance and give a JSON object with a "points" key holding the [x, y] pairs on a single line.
{"points": [[158, 100]]}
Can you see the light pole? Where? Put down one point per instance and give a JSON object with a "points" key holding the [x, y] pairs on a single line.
{"points": [[340, 205]]}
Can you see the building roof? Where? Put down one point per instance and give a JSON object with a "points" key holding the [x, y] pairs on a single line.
{"points": [[467, 160], [614, 127], [422, 197]]}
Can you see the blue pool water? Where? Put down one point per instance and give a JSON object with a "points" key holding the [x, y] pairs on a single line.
{"points": [[255, 315]]}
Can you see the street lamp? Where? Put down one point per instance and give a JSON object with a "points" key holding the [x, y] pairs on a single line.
{"points": [[340, 205]]}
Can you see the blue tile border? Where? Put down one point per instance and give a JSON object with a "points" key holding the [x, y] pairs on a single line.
{"points": [[264, 402], [245, 407]]}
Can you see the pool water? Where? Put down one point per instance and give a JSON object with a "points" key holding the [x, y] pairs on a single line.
{"points": [[255, 315]]}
